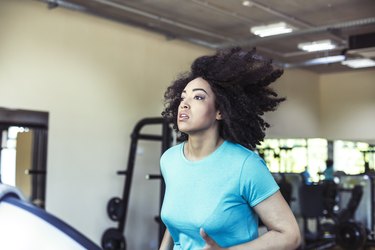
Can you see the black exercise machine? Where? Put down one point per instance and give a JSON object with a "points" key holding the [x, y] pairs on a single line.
{"points": [[113, 238], [340, 228], [312, 207]]}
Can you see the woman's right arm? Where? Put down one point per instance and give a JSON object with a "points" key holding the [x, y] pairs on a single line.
{"points": [[167, 242]]}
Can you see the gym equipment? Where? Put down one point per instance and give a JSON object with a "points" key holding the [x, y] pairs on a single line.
{"points": [[285, 186], [311, 201], [26, 226], [351, 235], [350, 225], [113, 238], [365, 211], [330, 197], [115, 208], [291, 189], [356, 228]]}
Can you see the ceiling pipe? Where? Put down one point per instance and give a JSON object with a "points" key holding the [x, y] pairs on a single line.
{"points": [[292, 20], [66, 4], [59, 3], [231, 14], [162, 19], [223, 12]]}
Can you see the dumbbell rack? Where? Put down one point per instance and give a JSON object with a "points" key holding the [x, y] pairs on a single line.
{"points": [[117, 208]]}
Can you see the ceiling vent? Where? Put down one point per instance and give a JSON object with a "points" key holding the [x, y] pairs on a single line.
{"points": [[363, 45]]}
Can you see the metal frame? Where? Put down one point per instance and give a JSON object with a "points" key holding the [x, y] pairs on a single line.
{"points": [[166, 139]]}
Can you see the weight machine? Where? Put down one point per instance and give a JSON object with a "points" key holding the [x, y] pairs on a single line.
{"points": [[117, 208], [344, 213]]}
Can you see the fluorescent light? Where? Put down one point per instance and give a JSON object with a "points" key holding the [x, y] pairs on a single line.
{"points": [[327, 60], [317, 61], [272, 29], [359, 63], [317, 45], [247, 3]]}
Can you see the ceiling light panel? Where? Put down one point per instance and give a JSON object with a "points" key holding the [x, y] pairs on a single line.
{"points": [[359, 63], [272, 29], [317, 45]]}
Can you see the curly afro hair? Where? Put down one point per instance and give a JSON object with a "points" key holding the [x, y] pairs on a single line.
{"points": [[240, 81]]}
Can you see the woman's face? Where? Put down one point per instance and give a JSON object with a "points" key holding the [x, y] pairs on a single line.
{"points": [[197, 112]]}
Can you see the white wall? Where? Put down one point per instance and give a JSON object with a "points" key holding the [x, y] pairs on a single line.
{"points": [[298, 116], [348, 105], [336, 106]]}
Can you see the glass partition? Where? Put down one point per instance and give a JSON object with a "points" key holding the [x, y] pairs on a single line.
{"points": [[294, 155]]}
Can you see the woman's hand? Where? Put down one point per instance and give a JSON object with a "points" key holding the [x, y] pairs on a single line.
{"points": [[210, 243]]}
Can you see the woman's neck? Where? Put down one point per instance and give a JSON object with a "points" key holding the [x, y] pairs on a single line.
{"points": [[197, 148]]}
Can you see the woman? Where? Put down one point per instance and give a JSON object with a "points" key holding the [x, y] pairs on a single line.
{"points": [[216, 186]]}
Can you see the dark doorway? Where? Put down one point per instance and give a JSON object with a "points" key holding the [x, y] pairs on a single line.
{"points": [[23, 155]]}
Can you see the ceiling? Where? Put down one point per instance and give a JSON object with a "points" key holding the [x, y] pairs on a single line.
{"points": [[224, 23]]}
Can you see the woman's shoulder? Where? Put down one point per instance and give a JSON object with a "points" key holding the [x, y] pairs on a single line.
{"points": [[244, 157], [172, 151], [239, 150]]}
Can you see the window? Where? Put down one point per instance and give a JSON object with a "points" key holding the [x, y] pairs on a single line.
{"points": [[293, 155], [350, 156]]}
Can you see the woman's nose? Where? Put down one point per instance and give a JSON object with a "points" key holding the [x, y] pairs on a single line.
{"points": [[184, 105]]}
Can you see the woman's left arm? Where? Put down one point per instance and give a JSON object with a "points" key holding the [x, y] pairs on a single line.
{"points": [[283, 231]]}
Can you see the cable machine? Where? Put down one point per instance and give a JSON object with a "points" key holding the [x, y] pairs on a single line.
{"points": [[117, 208]]}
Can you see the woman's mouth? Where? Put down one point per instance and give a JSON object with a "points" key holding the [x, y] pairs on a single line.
{"points": [[183, 116]]}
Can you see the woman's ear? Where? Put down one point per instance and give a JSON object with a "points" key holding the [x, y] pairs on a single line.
{"points": [[218, 115]]}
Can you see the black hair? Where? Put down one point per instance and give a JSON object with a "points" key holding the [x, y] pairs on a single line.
{"points": [[240, 80], [329, 163]]}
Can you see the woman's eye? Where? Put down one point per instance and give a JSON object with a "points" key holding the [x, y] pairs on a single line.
{"points": [[198, 97]]}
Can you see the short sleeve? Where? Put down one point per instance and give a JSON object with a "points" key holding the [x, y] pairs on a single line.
{"points": [[256, 181]]}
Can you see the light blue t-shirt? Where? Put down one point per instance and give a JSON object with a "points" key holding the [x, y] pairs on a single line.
{"points": [[216, 193]]}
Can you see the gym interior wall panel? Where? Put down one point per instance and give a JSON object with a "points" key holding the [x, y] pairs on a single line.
{"points": [[97, 79], [347, 102], [298, 116]]}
